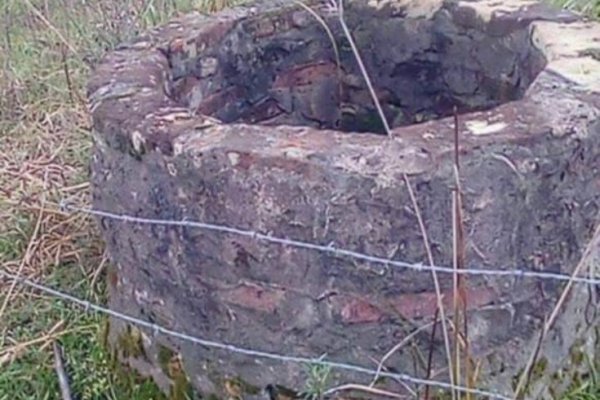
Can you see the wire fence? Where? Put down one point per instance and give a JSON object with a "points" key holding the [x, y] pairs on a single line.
{"points": [[331, 249], [156, 329]]}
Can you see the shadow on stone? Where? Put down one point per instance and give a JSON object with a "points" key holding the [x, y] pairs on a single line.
{"points": [[281, 68]]}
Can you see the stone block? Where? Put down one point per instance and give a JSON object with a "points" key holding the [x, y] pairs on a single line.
{"points": [[252, 118]]}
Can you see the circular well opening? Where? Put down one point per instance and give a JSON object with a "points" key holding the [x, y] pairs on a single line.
{"points": [[279, 67]]}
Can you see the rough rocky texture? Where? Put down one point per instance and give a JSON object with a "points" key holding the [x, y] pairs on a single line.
{"points": [[245, 119]]}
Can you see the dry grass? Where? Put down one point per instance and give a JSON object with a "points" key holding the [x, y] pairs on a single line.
{"points": [[46, 50]]}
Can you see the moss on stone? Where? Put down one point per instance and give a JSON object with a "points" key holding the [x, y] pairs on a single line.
{"points": [[130, 378], [237, 387], [442, 395], [181, 389], [577, 356], [104, 333], [515, 379], [130, 343], [171, 365], [538, 369], [165, 355]]}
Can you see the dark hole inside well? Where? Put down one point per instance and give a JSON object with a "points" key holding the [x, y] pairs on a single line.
{"points": [[281, 68]]}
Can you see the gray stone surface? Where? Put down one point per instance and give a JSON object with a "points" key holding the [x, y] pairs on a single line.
{"points": [[244, 118]]}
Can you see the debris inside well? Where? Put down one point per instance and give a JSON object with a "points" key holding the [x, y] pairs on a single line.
{"points": [[285, 69]]}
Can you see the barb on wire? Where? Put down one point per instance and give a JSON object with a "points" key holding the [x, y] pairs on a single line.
{"points": [[89, 306], [330, 248]]}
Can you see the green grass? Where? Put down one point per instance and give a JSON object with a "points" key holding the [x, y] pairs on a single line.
{"points": [[46, 49], [589, 7], [91, 370], [42, 42]]}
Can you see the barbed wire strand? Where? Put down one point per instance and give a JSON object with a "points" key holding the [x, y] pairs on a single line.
{"points": [[155, 328], [518, 273]]}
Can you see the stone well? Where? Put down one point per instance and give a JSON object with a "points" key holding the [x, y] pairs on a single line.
{"points": [[251, 118]]}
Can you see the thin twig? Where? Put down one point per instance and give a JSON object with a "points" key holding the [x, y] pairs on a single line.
{"points": [[367, 389], [592, 303], [524, 379], [405, 385], [436, 282], [331, 36], [461, 263], [363, 70], [73, 93], [63, 380], [156, 329], [455, 290], [431, 348], [397, 347], [98, 271], [528, 371], [9, 354], [456, 140], [50, 26], [415, 204], [459, 291], [595, 242], [46, 338], [28, 250]]}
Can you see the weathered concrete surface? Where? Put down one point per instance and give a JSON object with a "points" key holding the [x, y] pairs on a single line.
{"points": [[268, 158]]}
